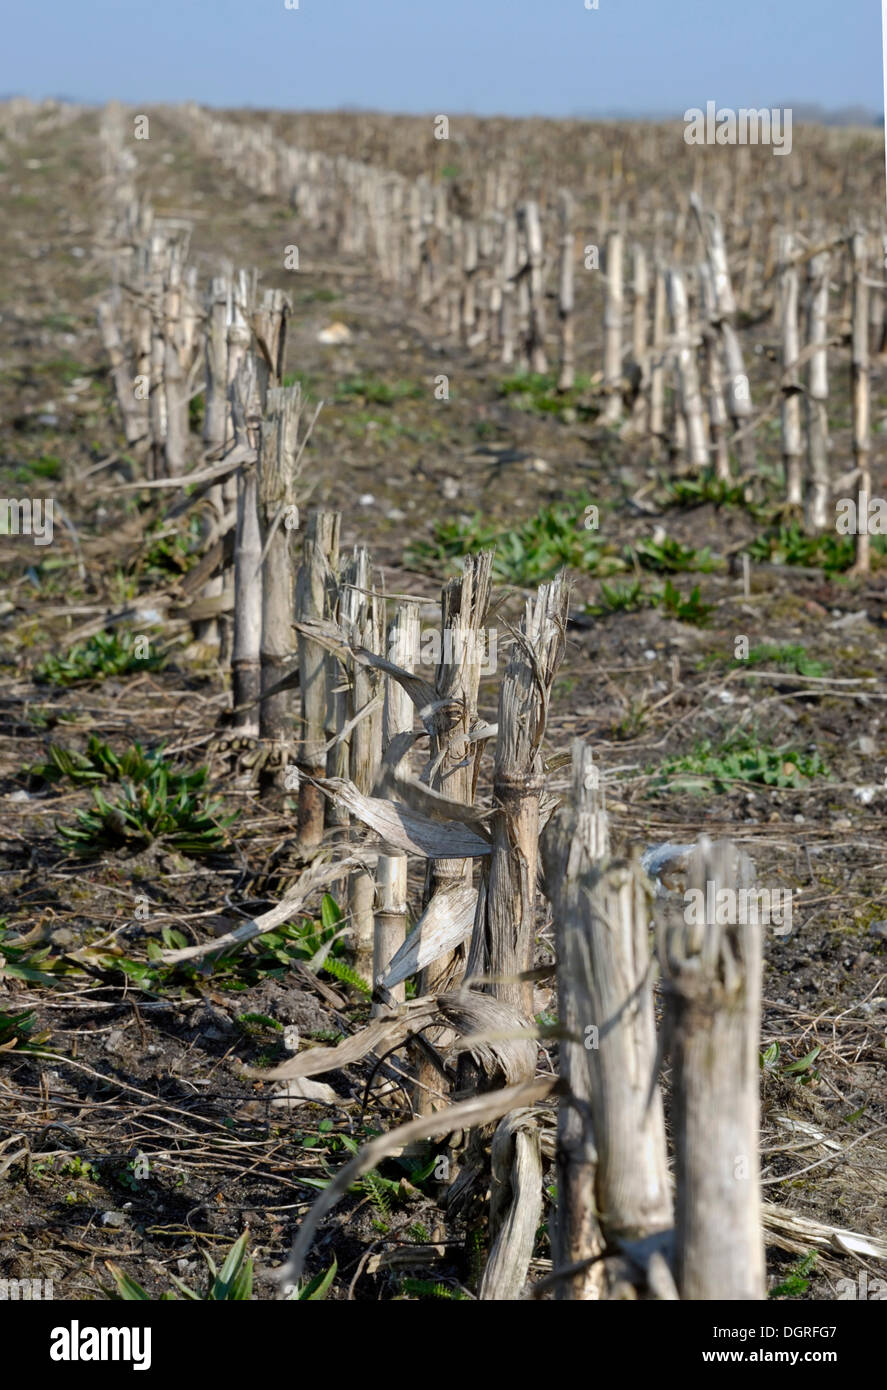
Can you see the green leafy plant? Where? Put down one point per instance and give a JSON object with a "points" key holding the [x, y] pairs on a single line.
{"points": [[669, 555], [707, 488], [538, 391], [169, 551], [99, 764], [170, 808], [789, 658], [796, 1282], [233, 1282], [740, 758], [321, 945], [554, 538], [621, 598], [316, 1290], [78, 1167], [17, 1032], [788, 544], [376, 1188], [802, 1070], [429, 1288], [375, 391], [105, 654], [22, 961], [687, 610], [257, 1025], [632, 597]]}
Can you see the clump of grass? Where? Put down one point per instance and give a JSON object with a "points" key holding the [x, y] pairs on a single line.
{"points": [[17, 1032], [538, 391], [787, 657], [98, 764], [789, 545], [375, 391], [795, 1282], [254, 1025], [165, 805], [554, 538], [670, 556], [233, 1282], [430, 1289], [740, 758], [104, 655], [687, 610], [46, 466], [803, 1071], [707, 488], [631, 598], [25, 962], [169, 552], [621, 598]]}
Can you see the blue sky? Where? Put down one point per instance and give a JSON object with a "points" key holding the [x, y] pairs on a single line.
{"points": [[514, 57]]}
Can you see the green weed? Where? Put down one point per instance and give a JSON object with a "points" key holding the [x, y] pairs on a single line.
{"points": [[740, 758], [104, 655]]}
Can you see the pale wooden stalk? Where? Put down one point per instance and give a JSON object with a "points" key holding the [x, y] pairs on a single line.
{"points": [[176, 361], [469, 280], [876, 300], [133, 424], [452, 768], [522, 297], [659, 359], [339, 675], [509, 271], [485, 243], [688, 374], [396, 229], [602, 911], [717, 406], [157, 392], [739, 403], [269, 326], [216, 428], [215, 417], [566, 296], [246, 671], [494, 313], [819, 484], [503, 940], [576, 1234], [640, 352], [391, 870], [454, 261], [363, 623], [515, 1206], [278, 472], [749, 286], [142, 329], [314, 592], [613, 312], [790, 419], [239, 340], [860, 377], [713, 992]]}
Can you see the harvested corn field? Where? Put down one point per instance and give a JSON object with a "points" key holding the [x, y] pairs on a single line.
{"points": [[443, 755]]}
